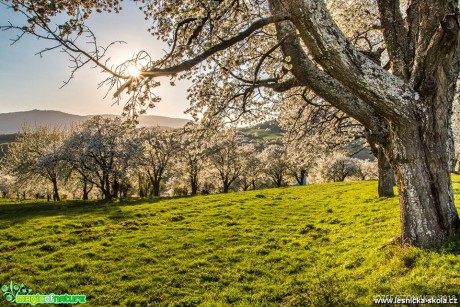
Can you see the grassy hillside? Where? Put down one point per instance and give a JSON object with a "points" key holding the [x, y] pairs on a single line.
{"points": [[298, 246], [268, 132]]}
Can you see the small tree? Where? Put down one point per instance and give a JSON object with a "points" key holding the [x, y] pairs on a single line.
{"points": [[97, 150], [37, 154], [252, 166], [275, 163], [366, 169], [158, 149], [6, 183], [225, 157], [338, 167], [194, 150], [301, 158]]}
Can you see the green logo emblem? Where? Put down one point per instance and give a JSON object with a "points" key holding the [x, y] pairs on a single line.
{"points": [[20, 294], [12, 290]]}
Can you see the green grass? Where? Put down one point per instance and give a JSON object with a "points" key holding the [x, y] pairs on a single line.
{"points": [[322, 245], [261, 134]]}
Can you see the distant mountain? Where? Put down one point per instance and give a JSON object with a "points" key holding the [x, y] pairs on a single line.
{"points": [[13, 122]]}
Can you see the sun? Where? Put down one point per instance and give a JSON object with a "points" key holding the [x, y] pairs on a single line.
{"points": [[134, 71]]}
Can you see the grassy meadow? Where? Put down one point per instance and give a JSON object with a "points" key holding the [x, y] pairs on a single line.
{"points": [[319, 245]]}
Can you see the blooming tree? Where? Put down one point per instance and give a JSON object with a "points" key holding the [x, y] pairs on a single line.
{"points": [[158, 150], [338, 167], [97, 150], [252, 167], [193, 155], [225, 157], [36, 155], [275, 163], [239, 52]]}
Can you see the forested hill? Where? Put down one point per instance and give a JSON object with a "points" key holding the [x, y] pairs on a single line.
{"points": [[14, 122], [6, 139]]}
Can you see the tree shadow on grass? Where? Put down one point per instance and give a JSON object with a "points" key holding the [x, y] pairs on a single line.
{"points": [[451, 246], [17, 211]]}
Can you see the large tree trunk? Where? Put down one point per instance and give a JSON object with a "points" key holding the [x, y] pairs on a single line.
{"points": [[413, 101], [385, 172], [386, 176], [156, 187], [420, 158]]}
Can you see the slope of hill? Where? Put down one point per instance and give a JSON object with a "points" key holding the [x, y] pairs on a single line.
{"points": [[270, 132], [267, 132], [5, 140], [319, 245], [13, 122]]}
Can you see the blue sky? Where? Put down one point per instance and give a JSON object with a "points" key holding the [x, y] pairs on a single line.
{"points": [[29, 82]]}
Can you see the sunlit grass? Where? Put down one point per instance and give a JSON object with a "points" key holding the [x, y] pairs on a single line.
{"points": [[316, 245]]}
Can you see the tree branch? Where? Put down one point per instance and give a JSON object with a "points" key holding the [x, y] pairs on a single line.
{"points": [[186, 65], [396, 37], [386, 93], [324, 85]]}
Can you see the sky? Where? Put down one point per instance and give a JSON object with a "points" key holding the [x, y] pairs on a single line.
{"points": [[29, 82]]}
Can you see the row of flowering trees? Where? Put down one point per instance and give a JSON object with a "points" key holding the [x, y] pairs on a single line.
{"points": [[108, 158]]}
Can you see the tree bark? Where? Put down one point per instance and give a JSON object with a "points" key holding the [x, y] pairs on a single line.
{"points": [[300, 179], [156, 187], [55, 189], [85, 189], [115, 188], [386, 180], [278, 180], [106, 190], [428, 213], [226, 187], [194, 185]]}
